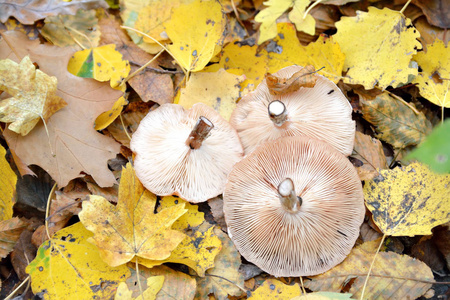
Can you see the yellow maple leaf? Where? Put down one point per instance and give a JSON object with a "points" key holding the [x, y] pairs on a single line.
{"points": [[33, 95], [201, 245], [131, 229], [435, 60], [408, 201], [380, 56], [68, 266], [8, 180], [395, 276], [154, 285], [275, 289], [101, 63], [219, 90], [195, 30], [275, 8]]}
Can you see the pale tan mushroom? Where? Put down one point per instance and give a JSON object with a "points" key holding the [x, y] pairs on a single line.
{"points": [[188, 153], [294, 207], [321, 112]]}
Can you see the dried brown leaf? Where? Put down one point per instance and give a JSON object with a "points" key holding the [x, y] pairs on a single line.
{"points": [[10, 231]]}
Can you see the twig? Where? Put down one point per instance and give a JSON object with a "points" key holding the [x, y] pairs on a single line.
{"points": [[371, 266], [141, 68], [405, 6]]}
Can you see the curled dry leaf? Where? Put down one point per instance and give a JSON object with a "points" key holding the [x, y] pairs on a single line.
{"points": [[303, 78], [10, 231], [76, 146], [369, 151], [34, 95]]}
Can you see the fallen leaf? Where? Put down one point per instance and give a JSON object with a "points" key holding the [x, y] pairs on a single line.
{"points": [[275, 8], [76, 151], [154, 284], [10, 231], [393, 275], [8, 180], [396, 123], [69, 30], [101, 63], [109, 193], [425, 250], [219, 90], [34, 95], [370, 152], [32, 31], [150, 84], [68, 265], [195, 30], [436, 11], [324, 296], [379, 56], [24, 251], [216, 206], [430, 33], [303, 78], [201, 245], [244, 58], [435, 60], [434, 151], [177, 285], [131, 229], [408, 201], [31, 11], [275, 289], [106, 118], [224, 279]]}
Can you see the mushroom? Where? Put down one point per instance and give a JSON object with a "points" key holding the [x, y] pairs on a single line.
{"points": [[188, 153], [294, 207], [321, 112]]}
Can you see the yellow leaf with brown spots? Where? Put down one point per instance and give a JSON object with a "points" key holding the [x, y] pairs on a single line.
{"points": [[131, 228], [378, 56], [8, 180], [408, 201], [33, 95], [275, 289], [195, 30]]}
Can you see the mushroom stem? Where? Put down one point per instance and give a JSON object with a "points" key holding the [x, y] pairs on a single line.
{"points": [[289, 200], [277, 112], [199, 133]]}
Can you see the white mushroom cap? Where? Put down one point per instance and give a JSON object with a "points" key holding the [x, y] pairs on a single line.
{"points": [[321, 112], [303, 233], [166, 164]]}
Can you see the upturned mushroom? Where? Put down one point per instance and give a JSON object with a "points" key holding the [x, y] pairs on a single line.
{"points": [[188, 153], [294, 207], [321, 112]]}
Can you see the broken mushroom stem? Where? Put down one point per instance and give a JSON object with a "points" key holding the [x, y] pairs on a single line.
{"points": [[199, 133], [289, 200], [277, 112]]}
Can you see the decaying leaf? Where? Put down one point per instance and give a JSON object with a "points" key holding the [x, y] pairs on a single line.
{"points": [[131, 228], [199, 249], [379, 56], [369, 151], [33, 94], [77, 146], [69, 265], [154, 284], [393, 275], [397, 123], [436, 11], [101, 63], [10, 231], [220, 90], [408, 201], [177, 285], [195, 29], [275, 289], [8, 180], [303, 78], [69, 30], [30, 11], [324, 296], [224, 279], [435, 150]]}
